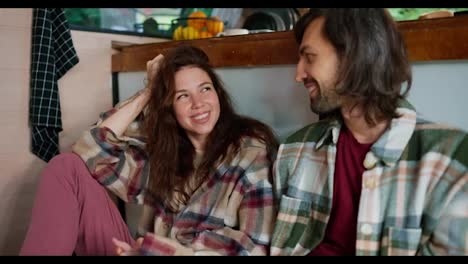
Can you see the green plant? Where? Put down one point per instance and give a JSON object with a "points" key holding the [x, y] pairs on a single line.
{"points": [[400, 14]]}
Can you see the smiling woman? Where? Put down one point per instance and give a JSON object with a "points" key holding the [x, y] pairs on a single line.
{"points": [[196, 105], [201, 171]]}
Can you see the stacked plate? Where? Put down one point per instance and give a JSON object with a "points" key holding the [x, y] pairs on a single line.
{"points": [[276, 19]]}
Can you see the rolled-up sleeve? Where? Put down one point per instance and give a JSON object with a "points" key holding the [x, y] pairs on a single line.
{"points": [[118, 163]]}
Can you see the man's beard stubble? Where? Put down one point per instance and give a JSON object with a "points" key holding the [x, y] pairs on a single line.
{"points": [[325, 103]]}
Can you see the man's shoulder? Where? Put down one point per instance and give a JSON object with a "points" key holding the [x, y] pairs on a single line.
{"points": [[310, 133], [442, 138], [438, 131]]}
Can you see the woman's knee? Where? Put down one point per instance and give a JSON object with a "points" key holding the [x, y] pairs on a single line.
{"points": [[67, 158], [64, 164]]}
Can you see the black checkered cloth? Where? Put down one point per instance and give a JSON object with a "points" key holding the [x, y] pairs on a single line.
{"points": [[52, 56]]}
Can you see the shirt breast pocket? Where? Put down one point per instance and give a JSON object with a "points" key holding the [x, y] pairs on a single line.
{"points": [[400, 241], [292, 220]]}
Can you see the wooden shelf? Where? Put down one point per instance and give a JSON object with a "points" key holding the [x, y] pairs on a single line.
{"points": [[426, 40]]}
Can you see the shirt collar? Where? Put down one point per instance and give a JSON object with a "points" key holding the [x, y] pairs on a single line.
{"points": [[331, 130], [390, 146]]}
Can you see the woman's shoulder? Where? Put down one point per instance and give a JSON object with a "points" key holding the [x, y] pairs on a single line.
{"points": [[250, 150], [251, 158], [252, 143]]}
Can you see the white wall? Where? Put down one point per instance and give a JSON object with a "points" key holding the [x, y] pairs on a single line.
{"points": [[440, 91], [271, 95]]}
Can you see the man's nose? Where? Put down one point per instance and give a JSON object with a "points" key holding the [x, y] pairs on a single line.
{"points": [[300, 73]]}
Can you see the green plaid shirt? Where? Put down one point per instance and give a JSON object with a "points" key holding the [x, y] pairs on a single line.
{"points": [[414, 198]]}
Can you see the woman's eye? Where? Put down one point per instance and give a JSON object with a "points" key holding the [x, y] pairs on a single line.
{"points": [[181, 96], [206, 89]]}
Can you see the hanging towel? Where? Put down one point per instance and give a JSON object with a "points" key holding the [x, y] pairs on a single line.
{"points": [[52, 56]]}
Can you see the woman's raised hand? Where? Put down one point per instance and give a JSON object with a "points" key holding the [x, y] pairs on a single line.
{"points": [[152, 67]]}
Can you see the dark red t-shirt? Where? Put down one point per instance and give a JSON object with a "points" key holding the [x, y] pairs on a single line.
{"points": [[340, 234]]}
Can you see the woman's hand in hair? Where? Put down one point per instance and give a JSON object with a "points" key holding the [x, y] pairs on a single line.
{"points": [[152, 67], [130, 108]]}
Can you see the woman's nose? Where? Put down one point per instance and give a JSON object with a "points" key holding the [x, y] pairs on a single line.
{"points": [[197, 101]]}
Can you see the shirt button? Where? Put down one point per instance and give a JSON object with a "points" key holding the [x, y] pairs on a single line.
{"points": [[366, 229], [370, 182], [370, 161]]}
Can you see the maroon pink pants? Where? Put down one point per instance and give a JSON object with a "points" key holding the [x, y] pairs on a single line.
{"points": [[73, 213]]}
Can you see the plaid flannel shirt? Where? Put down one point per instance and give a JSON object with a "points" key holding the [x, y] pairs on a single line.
{"points": [[232, 213], [414, 198], [52, 56]]}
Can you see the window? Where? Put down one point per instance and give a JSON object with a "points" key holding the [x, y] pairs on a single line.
{"points": [[133, 21], [154, 22]]}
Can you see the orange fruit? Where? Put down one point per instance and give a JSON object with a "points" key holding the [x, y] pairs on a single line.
{"points": [[214, 25], [205, 34], [197, 20]]}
